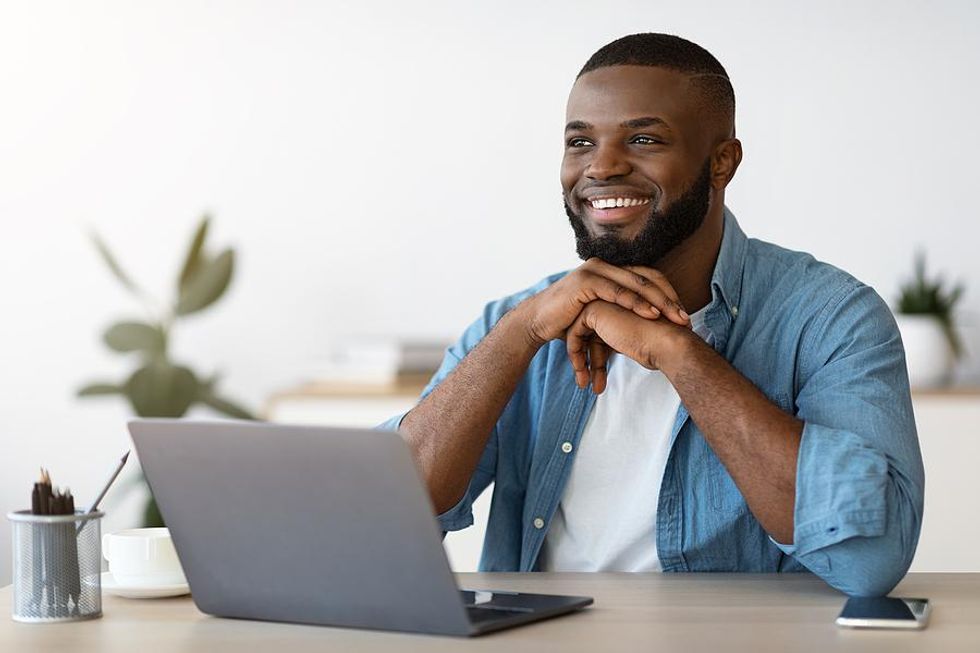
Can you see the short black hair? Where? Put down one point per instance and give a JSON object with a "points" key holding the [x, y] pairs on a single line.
{"points": [[674, 53]]}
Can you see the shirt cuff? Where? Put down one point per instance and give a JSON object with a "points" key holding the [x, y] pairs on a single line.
{"points": [[841, 490], [391, 424], [459, 516]]}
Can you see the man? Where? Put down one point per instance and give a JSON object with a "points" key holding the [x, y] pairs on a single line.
{"points": [[687, 399]]}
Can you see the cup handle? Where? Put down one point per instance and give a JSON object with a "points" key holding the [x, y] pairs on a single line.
{"points": [[105, 546]]}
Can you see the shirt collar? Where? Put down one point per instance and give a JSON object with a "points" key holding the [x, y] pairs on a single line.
{"points": [[726, 281]]}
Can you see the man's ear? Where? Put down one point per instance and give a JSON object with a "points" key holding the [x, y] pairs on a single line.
{"points": [[724, 162]]}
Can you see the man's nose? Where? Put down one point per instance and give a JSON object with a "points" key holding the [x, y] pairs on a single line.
{"points": [[608, 162]]}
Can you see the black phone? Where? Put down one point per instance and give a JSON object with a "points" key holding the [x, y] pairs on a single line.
{"points": [[884, 612]]}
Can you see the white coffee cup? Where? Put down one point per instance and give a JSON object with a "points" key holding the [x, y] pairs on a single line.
{"points": [[142, 557]]}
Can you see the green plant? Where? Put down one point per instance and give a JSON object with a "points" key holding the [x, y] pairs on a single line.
{"points": [[160, 387], [925, 296]]}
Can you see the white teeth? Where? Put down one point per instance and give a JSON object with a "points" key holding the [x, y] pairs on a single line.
{"points": [[616, 202]]}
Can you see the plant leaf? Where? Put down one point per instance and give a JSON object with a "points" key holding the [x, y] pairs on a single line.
{"points": [[194, 258], [160, 389], [135, 336], [208, 284], [99, 390], [110, 260]]}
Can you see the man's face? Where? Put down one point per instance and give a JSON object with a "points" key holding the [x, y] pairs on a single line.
{"points": [[636, 170]]}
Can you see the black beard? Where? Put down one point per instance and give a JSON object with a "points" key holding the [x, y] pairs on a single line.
{"points": [[665, 228]]}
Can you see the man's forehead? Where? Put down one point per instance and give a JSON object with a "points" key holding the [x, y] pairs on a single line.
{"points": [[616, 94]]}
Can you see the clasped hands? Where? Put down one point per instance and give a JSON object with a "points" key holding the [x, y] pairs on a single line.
{"points": [[599, 308]]}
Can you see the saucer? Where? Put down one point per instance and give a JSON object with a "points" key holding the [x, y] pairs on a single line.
{"points": [[110, 585]]}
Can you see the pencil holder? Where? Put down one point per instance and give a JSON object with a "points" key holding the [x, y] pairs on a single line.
{"points": [[57, 566]]}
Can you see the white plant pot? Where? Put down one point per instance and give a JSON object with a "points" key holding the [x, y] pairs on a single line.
{"points": [[927, 352]]}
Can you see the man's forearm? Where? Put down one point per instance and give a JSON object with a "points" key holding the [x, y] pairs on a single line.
{"points": [[449, 429], [756, 441]]}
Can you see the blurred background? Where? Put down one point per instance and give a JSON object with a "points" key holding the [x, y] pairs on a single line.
{"points": [[383, 169]]}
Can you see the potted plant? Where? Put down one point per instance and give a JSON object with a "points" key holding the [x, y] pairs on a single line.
{"points": [[925, 319], [160, 386]]}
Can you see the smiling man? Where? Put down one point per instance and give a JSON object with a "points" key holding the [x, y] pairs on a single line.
{"points": [[688, 399]]}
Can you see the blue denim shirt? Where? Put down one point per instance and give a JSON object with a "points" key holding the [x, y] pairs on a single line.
{"points": [[821, 345]]}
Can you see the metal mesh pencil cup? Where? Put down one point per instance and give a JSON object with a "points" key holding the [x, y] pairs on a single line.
{"points": [[57, 566]]}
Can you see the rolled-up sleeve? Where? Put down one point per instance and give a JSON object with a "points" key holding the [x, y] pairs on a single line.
{"points": [[860, 480], [460, 515]]}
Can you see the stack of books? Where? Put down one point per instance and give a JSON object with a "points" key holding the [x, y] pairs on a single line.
{"points": [[377, 361]]}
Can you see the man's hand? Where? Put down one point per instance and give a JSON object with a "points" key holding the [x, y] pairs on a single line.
{"points": [[602, 325], [643, 291]]}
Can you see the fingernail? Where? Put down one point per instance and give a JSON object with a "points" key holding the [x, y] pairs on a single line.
{"points": [[684, 314]]}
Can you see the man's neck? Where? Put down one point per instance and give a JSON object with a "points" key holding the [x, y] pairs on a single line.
{"points": [[690, 265]]}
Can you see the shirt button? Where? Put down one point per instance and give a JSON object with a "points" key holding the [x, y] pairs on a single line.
{"points": [[566, 447], [538, 523], [734, 311]]}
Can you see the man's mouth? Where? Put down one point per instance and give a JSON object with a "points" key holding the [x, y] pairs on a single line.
{"points": [[617, 202], [615, 209]]}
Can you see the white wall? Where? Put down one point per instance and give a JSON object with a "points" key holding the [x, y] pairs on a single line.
{"points": [[388, 167]]}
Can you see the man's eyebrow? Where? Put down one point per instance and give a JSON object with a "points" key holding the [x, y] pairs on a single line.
{"points": [[635, 123], [577, 125], [645, 121]]}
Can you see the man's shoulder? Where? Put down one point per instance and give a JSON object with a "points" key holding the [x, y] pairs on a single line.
{"points": [[812, 291], [773, 269]]}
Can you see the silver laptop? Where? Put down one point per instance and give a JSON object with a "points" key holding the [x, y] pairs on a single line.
{"points": [[314, 525]]}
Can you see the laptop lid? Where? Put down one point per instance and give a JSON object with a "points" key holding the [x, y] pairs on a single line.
{"points": [[254, 510]]}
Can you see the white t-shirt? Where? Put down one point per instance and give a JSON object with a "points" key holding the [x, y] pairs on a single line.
{"points": [[607, 517]]}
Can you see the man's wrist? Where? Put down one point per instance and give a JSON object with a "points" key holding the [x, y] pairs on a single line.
{"points": [[519, 321], [677, 348]]}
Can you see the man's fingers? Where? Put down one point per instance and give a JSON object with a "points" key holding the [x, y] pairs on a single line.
{"points": [[598, 357], [672, 302], [587, 353], [619, 330], [597, 286], [645, 291], [577, 345]]}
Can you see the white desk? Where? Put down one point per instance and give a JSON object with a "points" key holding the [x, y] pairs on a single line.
{"points": [[685, 613]]}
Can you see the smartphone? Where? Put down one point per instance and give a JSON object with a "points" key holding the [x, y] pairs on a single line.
{"points": [[884, 612]]}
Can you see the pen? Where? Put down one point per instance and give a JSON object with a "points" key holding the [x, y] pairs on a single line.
{"points": [[112, 478]]}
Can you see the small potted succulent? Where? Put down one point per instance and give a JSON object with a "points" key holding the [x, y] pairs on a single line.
{"points": [[925, 319]]}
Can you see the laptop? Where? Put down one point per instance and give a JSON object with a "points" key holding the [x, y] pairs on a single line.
{"points": [[316, 525]]}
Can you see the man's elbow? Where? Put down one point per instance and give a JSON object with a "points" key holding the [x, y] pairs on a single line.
{"points": [[868, 566], [874, 580]]}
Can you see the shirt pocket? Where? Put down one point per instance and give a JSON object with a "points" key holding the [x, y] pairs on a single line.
{"points": [[723, 494]]}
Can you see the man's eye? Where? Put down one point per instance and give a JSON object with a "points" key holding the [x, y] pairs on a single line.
{"points": [[578, 142], [643, 139]]}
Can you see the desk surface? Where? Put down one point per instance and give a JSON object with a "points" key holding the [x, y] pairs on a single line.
{"points": [[632, 612]]}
